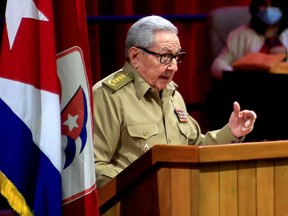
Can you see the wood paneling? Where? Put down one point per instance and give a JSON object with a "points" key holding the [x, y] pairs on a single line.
{"points": [[242, 180], [247, 188]]}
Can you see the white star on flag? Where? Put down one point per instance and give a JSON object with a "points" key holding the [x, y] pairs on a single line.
{"points": [[15, 11], [71, 122]]}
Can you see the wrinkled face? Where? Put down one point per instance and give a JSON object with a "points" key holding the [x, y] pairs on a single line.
{"points": [[158, 75]]}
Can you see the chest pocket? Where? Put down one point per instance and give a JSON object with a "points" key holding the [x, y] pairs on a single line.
{"points": [[185, 132], [143, 131], [140, 133]]}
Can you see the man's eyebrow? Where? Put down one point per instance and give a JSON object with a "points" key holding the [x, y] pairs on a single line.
{"points": [[170, 50]]}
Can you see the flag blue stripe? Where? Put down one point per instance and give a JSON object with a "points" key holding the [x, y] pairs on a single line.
{"points": [[27, 166]]}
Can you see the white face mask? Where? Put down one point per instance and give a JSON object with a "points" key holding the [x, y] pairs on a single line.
{"points": [[270, 15]]}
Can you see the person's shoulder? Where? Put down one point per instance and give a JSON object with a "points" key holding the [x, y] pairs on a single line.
{"points": [[114, 81], [241, 32], [284, 37], [285, 32], [242, 29]]}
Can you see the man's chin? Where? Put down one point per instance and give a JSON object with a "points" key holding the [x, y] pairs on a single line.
{"points": [[162, 85]]}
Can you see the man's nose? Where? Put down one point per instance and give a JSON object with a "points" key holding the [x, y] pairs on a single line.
{"points": [[173, 65]]}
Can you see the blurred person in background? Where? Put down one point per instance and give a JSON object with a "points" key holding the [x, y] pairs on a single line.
{"points": [[267, 32]]}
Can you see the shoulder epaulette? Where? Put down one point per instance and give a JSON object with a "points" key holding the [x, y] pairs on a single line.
{"points": [[118, 80]]}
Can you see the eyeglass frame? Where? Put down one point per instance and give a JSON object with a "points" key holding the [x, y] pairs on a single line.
{"points": [[167, 54]]}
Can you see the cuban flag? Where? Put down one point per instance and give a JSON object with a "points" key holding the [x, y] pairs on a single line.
{"points": [[46, 148]]}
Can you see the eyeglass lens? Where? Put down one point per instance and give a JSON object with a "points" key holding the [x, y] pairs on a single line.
{"points": [[167, 58]]}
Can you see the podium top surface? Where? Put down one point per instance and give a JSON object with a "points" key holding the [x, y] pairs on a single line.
{"points": [[160, 155]]}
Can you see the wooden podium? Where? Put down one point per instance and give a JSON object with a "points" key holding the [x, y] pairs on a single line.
{"points": [[245, 179]]}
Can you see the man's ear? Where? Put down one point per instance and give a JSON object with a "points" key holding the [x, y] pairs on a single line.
{"points": [[133, 54]]}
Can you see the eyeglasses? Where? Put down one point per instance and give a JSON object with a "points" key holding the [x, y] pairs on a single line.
{"points": [[166, 58]]}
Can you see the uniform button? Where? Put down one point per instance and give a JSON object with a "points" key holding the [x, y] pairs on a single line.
{"points": [[145, 133], [169, 140], [146, 147]]}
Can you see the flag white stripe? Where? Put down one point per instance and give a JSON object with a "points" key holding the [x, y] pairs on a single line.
{"points": [[39, 110]]}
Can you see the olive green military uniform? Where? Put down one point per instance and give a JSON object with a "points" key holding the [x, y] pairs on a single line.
{"points": [[130, 117]]}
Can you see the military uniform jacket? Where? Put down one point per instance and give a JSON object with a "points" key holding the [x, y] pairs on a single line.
{"points": [[130, 117]]}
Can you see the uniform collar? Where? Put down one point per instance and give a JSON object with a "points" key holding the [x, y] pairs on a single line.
{"points": [[141, 85]]}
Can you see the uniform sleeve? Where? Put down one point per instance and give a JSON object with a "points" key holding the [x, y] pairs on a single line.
{"points": [[106, 135], [221, 136]]}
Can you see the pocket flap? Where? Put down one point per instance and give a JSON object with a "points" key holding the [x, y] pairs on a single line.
{"points": [[143, 130]]}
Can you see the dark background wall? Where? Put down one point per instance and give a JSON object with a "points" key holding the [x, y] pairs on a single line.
{"points": [[107, 40]]}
